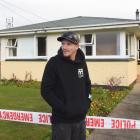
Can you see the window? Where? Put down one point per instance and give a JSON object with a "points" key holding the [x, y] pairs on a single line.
{"points": [[126, 44], [130, 49], [86, 44], [12, 47], [41, 46], [107, 43], [12, 42]]}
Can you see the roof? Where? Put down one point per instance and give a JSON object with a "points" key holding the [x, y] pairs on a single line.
{"points": [[75, 21]]}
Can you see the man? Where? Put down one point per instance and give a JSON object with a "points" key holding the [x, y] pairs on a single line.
{"points": [[66, 87]]}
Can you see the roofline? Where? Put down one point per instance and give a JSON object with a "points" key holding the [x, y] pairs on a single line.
{"points": [[74, 28], [91, 28], [96, 25]]}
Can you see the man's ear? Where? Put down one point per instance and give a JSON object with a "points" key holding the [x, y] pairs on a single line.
{"points": [[77, 46]]}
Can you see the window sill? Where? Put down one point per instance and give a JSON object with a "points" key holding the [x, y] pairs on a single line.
{"points": [[109, 58], [38, 58]]}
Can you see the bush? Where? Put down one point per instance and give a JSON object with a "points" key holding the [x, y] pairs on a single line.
{"points": [[20, 83], [104, 101]]}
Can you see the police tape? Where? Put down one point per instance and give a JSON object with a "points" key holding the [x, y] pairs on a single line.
{"points": [[91, 121]]}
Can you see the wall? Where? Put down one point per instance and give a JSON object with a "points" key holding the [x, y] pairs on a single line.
{"points": [[100, 71], [25, 46], [138, 69], [132, 71], [19, 68], [52, 45]]}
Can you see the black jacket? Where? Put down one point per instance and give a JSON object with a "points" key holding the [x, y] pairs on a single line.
{"points": [[66, 86]]}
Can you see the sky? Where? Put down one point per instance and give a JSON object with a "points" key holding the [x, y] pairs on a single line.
{"points": [[35, 11]]}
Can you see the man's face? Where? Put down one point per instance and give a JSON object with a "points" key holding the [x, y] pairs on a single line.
{"points": [[69, 49]]}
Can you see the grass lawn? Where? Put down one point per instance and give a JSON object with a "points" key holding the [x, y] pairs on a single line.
{"points": [[28, 99]]}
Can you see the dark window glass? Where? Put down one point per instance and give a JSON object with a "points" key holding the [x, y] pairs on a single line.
{"points": [[88, 50], [107, 43], [88, 38], [41, 46]]}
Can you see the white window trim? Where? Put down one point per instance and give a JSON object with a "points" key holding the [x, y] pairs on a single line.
{"points": [[8, 46], [121, 38], [17, 57], [35, 56], [106, 57], [122, 45], [35, 46], [91, 44], [131, 44], [94, 46], [11, 47]]}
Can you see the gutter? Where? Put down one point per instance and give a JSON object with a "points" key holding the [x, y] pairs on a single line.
{"points": [[97, 25], [90, 28]]}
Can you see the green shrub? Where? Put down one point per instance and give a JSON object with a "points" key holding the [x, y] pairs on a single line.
{"points": [[20, 83]]}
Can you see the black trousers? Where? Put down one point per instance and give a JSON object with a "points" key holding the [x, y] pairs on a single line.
{"points": [[69, 131]]}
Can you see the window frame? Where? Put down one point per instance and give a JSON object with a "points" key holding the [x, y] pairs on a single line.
{"points": [[45, 37], [36, 46], [84, 44], [94, 56], [117, 41], [35, 51], [8, 47], [129, 45]]}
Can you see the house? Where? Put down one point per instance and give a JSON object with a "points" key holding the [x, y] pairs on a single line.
{"points": [[111, 46]]}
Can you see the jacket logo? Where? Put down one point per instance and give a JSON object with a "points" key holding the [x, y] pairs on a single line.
{"points": [[80, 73]]}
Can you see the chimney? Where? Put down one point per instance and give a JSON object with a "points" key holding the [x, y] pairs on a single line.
{"points": [[137, 14]]}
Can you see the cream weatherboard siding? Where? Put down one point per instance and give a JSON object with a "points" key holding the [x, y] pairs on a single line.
{"points": [[20, 68], [100, 72], [138, 69]]}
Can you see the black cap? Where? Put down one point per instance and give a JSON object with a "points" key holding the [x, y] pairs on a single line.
{"points": [[70, 36]]}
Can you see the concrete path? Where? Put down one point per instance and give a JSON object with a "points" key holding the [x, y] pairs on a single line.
{"points": [[128, 108]]}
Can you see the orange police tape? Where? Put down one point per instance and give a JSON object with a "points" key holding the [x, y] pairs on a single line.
{"points": [[91, 121]]}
